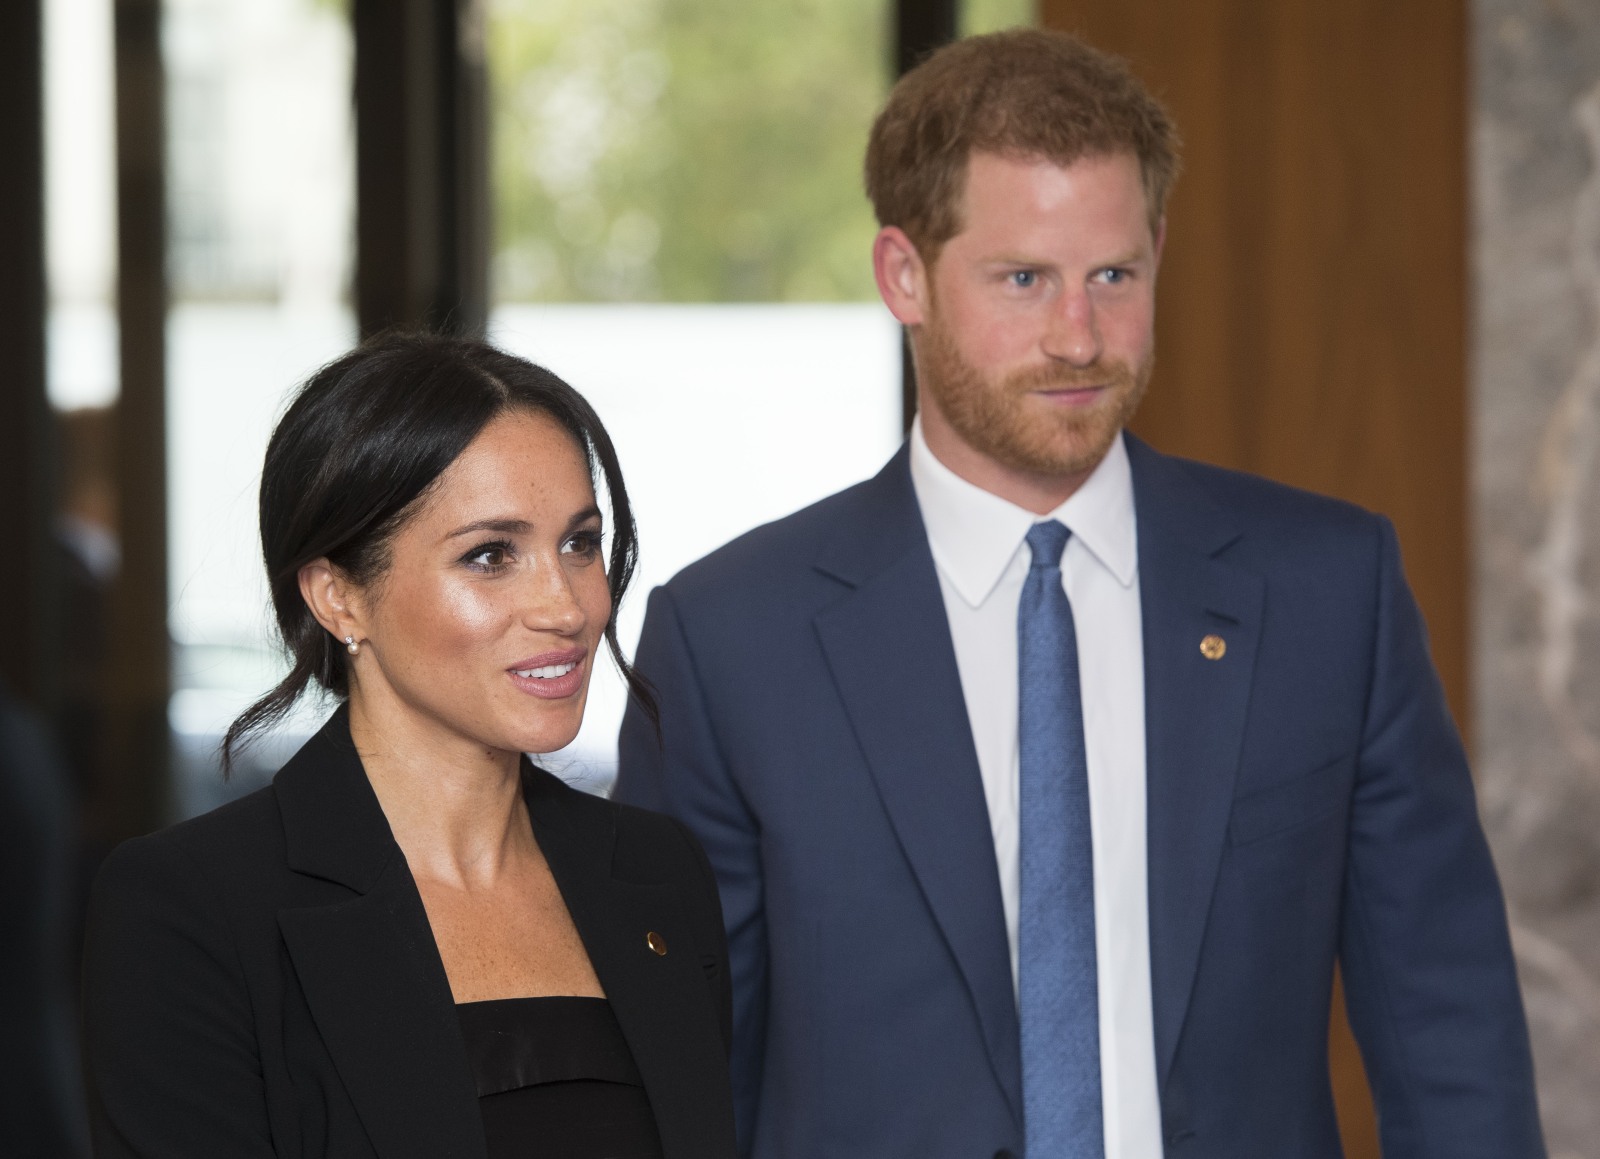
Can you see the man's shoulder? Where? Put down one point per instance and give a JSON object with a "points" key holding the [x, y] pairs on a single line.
{"points": [[779, 553], [1268, 511]]}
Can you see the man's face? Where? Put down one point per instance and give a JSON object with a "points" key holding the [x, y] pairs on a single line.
{"points": [[1037, 337]]}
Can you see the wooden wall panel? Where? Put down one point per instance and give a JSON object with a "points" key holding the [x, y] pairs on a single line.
{"points": [[1313, 295], [1312, 306]]}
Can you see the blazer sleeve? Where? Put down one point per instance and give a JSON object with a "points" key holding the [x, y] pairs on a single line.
{"points": [[171, 1057], [686, 775], [1426, 954], [710, 934]]}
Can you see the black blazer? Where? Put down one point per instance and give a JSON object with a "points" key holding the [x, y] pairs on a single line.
{"points": [[262, 981]]}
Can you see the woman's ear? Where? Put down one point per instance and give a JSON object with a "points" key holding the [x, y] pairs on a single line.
{"points": [[331, 598]]}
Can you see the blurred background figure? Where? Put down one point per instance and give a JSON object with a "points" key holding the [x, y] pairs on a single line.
{"points": [[41, 1111]]}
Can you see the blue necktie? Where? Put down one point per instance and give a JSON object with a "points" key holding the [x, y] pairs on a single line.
{"points": [[1058, 991]]}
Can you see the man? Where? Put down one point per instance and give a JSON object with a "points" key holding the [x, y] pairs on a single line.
{"points": [[1046, 777]]}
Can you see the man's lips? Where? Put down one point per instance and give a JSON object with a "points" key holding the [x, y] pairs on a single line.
{"points": [[1072, 395], [550, 675]]}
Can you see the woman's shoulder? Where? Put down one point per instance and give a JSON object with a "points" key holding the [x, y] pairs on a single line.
{"points": [[645, 845], [234, 845]]}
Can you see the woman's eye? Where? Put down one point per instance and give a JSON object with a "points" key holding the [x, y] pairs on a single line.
{"points": [[585, 543], [490, 557]]}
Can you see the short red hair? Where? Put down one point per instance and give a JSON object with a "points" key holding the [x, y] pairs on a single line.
{"points": [[1024, 93]]}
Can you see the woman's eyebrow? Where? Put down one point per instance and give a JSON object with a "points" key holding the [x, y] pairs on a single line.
{"points": [[500, 526], [584, 516]]}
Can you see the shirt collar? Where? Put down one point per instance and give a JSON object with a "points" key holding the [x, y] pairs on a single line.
{"points": [[975, 535]]}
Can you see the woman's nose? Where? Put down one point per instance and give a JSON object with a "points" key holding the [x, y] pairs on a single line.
{"points": [[550, 604]]}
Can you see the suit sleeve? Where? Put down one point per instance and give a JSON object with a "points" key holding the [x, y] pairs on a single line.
{"points": [[686, 775], [1426, 954], [171, 1058]]}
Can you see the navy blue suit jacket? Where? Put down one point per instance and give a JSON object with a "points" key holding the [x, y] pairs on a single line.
{"points": [[1308, 800]]}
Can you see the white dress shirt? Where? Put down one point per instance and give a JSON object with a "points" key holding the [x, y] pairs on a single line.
{"points": [[980, 552]]}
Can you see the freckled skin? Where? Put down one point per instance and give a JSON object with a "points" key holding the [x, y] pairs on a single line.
{"points": [[443, 628]]}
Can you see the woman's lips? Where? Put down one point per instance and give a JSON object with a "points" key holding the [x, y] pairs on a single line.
{"points": [[551, 675]]}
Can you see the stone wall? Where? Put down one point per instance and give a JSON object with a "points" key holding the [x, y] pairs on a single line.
{"points": [[1535, 410]]}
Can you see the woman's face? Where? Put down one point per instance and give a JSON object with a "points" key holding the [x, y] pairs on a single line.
{"points": [[488, 621]]}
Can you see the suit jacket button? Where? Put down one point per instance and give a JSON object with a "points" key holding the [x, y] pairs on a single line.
{"points": [[657, 943]]}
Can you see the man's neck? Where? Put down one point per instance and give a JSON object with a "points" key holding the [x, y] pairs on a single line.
{"points": [[1035, 492]]}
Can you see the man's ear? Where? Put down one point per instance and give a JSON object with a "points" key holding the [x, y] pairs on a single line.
{"points": [[901, 275], [331, 598], [1160, 239]]}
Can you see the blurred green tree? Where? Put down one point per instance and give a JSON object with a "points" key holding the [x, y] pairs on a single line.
{"points": [[683, 150], [689, 150], [979, 16]]}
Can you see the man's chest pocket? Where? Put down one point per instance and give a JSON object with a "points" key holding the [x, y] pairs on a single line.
{"points": [[1294, 803]]}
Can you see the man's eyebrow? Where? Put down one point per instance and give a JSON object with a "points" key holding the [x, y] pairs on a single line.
{"points": [[1017, 258], [501, 526]]}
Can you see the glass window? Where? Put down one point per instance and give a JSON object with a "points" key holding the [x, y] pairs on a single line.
{"points": [[980, 16], [682, 234], [80, 186], [680, 231], [260, 188]]}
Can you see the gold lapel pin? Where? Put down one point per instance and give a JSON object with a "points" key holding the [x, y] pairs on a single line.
{"points": [[1213, 647], [657, 944]]}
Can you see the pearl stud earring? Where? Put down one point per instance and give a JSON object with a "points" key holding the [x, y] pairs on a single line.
{"points": [[351, 646]]}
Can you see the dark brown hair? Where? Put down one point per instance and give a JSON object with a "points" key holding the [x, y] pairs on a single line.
{"points": [[362, 441], [1025, 92]]}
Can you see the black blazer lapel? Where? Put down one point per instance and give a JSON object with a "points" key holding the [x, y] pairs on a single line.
{"points": [[368, 964], [661, 1000], [888, 646], [1195, 710]]}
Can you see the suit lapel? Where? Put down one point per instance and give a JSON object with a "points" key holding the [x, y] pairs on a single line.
{"points": [[1195, 710], [661, 1000], [889, 649], [368, 965]]}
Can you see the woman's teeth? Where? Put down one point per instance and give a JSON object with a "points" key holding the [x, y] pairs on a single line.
{"points": [[549, 672]]}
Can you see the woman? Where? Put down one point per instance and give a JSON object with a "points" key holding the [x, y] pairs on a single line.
{"points": [[414, 943]]}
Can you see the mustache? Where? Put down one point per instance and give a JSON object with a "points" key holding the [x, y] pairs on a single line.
{"points": [[1111, 374]]}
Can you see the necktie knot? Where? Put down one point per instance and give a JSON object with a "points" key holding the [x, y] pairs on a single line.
{"points": [[1047, 541]]}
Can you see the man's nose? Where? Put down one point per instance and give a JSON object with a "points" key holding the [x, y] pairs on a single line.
{"points": [[1074, 332]]}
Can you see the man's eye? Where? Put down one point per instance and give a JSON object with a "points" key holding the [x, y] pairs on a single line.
{"points": [[1114, 277], [1024, 279]]}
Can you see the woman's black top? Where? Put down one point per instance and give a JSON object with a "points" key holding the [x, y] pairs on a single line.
{"points": [[555, 1078], [266, 976]]}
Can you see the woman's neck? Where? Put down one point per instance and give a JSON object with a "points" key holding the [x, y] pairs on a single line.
{"points": [[455, 806]]}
